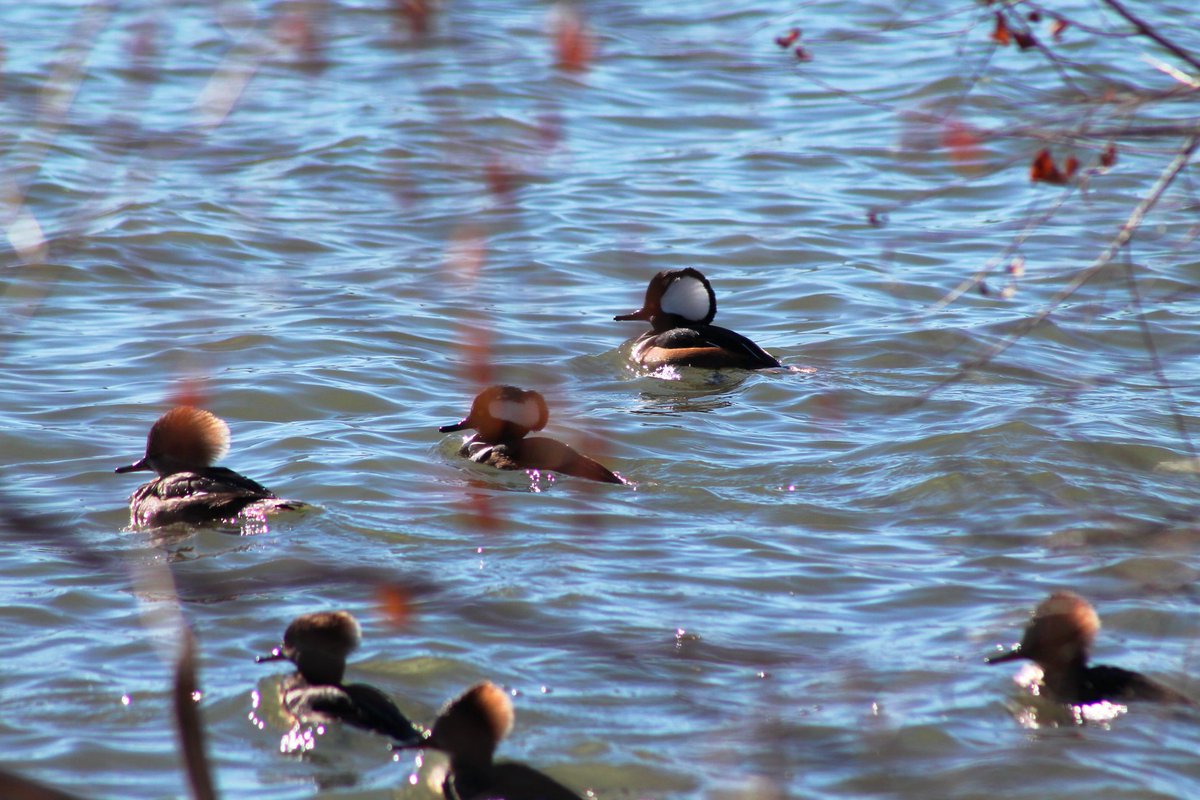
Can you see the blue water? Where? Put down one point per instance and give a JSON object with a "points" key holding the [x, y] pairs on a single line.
{"points": [[330, 245]]}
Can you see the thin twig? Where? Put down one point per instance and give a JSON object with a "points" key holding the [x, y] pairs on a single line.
{"points": [[187, 718], [1124, 235], [1145, 29], [1155, 361]]}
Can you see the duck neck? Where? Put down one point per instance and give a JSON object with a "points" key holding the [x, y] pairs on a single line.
{"points": [[321, 669]]}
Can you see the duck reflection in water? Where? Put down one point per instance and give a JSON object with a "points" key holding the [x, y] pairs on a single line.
{"points": [[468, 730], [502, 417], [315, 695], [1059, 640], [181, 448]]}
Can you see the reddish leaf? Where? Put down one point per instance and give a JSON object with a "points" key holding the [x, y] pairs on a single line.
{"points": [[1000, 34], [1034, 16], [1044, 169], [189, 392], [1109, 156], [480, 369], [788, 38], [963, 143], [416, 13], [1056, 30], [395, 601], [1070, 166], [572, 41], [1024, 40], [501, 180], [803, 55]]}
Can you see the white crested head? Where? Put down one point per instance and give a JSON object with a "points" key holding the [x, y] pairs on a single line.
{"points": [[501, 413], [525, 412], [689, 296]]}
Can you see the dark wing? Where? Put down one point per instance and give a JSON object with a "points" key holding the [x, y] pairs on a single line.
{"points": [[213, 480], [1115, 683], [201, 496], [222, 479], [540, 452], [706, 346], [735, 342], [356, 704], [518, 782], [377, 712]]}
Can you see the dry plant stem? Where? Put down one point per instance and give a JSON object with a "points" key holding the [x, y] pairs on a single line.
{"points": [[187, 718], [14, 787], [1155, 361], [1120, 240], [1145, 29], [1013, 247]]}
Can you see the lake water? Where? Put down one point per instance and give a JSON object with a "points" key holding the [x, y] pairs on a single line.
{"points": [[331, 228]]}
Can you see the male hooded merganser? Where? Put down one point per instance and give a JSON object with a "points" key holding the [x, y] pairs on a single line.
{"points": [[468, 730], [314, 694], [1059, 640], [181, 448], [502, 416], [680, 305]]}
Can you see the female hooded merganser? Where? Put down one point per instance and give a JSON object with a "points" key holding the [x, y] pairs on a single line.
{"points": [[314, 694], [680, 305], [181, 448], [1059, 640], [502, 416], [468, 730]]}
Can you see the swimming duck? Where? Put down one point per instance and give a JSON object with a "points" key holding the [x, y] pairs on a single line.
{"points": [[468, 730], [680, 305], [1059, 640], [182, 445], [314, 694], [502, 416]]}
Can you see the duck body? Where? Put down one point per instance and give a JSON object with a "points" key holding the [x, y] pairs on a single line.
{"points": [[680, 306], [502, 417], [1096, 684], [356, 704], [505, 780], [1059, 640], [317, 644], [702, 346], [201, 495], [181, 448], [468, 730], [536, 452]]}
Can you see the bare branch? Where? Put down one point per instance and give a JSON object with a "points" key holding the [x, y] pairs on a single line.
{"points": [[187, 718], [1124, 235], [1145, 29]]}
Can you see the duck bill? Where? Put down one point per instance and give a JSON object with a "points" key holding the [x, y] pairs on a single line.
{"points": [[465, 422], [1012, 655], [276, 655], [641, 314], [136, 466]]}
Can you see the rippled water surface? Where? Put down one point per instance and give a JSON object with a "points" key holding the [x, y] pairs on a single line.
{"points": [[331, 227]]}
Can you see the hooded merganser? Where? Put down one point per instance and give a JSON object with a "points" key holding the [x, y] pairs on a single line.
{"points": [[468, 730], [680, 305], [502, 416], [314, 694], [182, 445], [1059, 640]]}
